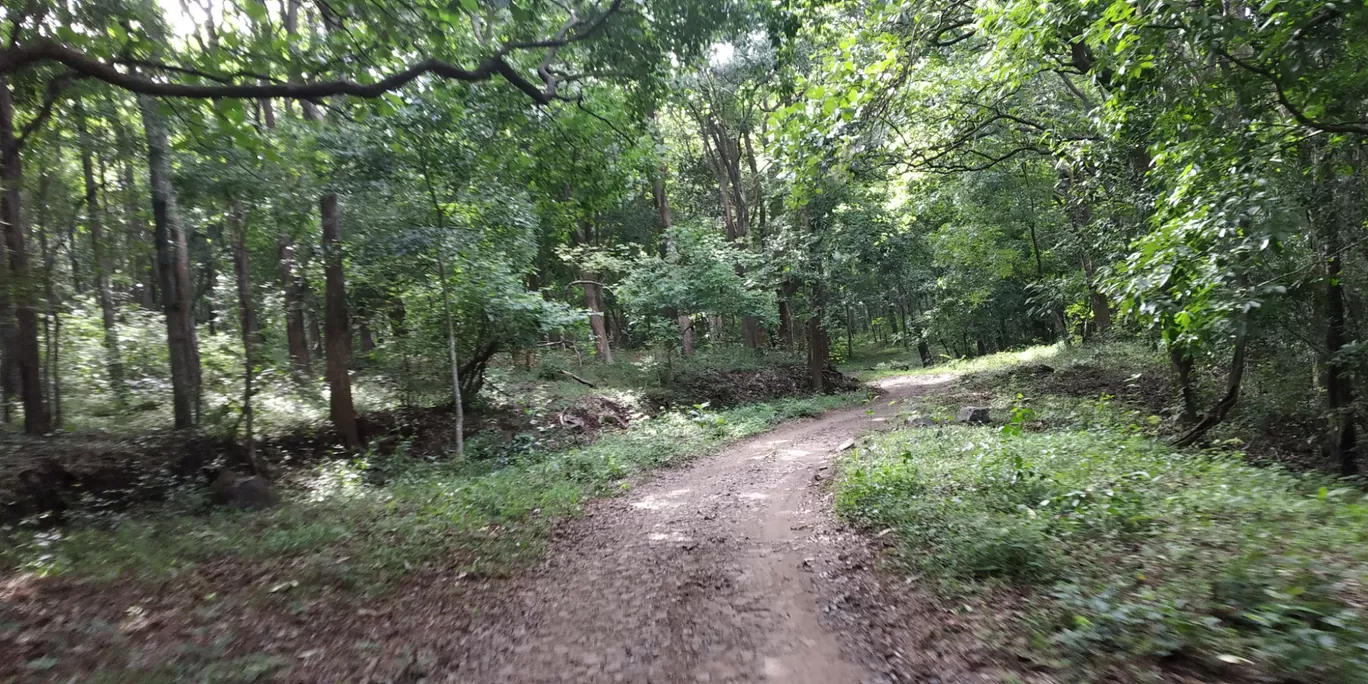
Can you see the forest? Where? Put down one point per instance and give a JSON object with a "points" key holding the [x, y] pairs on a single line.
{"points": [[683, 340]]}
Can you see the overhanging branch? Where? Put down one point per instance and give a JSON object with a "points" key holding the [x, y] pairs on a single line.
{"points": [[42, 49]]}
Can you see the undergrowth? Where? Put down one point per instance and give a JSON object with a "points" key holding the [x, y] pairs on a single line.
{"points": [[363, 525], [1131, 556]]}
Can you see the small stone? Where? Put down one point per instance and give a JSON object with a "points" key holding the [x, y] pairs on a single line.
{"points": [[973, 415], [921, 422]]}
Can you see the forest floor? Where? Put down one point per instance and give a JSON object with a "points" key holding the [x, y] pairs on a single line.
{"points": [[874, 539], [726, 569]]}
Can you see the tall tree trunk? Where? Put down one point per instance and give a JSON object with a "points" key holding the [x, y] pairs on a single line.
{"points": [[247, 318], [336, 327], [103, 268], [173, 269], [52, 325], [1339, 383], [27, 357], [662, 202], [296, 339]]}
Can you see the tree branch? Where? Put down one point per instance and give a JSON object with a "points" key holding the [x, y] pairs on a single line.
{"points": [[44, 49], [1356, 127]]}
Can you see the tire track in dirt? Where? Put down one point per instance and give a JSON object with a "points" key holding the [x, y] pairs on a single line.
{"points": [[713, 573]]}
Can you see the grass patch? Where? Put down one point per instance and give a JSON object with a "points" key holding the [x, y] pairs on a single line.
{"points": [[347, 533], [1131, 556]]}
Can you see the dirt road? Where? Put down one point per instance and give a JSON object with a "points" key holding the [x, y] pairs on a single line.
{"points": [[727, 571]]}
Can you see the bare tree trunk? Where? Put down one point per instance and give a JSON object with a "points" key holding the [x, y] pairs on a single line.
{"points": [[27, 357], [451, 345], [52, 325], [593, 300], [296, 339], [337, 329], [103, 268], [819, 350], [173, 268], [662, 202], [247, 317]]}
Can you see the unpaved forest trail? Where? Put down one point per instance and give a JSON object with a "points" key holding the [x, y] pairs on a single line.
{"points": [[729, 570]]}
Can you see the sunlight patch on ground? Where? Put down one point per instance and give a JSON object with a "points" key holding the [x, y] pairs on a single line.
{"points": [[656, 503], [753, 496], [672, 536], [793, 454], [914, 380], [336, 479]]}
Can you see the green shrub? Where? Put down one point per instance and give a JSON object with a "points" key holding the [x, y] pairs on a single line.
{"points": [[1133, 550]]}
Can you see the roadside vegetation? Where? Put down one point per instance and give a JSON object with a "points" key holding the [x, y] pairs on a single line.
{"points": [[1128, 557]]}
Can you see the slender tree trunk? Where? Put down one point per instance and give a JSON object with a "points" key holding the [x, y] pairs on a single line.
{"points": [[203, 297], [1182, 367], [337, 329], [247, 318], [51, 324], [785, 319], [27, 357], [296, 339], [451, 346], [593, 300], [173, 268], [103, 268], [398, 319], [141, 264], [312, 317], [1101, 309], [850, 333]]}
